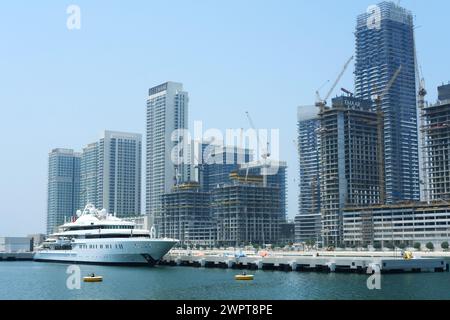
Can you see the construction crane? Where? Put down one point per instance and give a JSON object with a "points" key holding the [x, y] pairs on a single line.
{"points": [[380, 131], [321, 104], [421, 94], [264, 155]]}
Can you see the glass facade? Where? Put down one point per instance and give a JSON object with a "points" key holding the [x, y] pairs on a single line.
{"points": [[380, 51], [63, 187]]}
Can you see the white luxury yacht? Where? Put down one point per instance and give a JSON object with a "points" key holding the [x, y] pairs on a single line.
{"points": [[97, 237]]}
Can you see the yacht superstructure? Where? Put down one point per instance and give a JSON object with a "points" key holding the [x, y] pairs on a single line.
{"points": [[97, 237]]}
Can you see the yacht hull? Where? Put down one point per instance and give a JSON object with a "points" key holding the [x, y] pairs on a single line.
{"points": [[132, 251]]}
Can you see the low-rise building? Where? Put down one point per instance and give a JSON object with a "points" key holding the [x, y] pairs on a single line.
{"points": [[16, 244], [406, 224]]}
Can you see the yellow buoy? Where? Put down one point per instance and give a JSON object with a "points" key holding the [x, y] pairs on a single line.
{"points": [[93, 279], [244, 277]]}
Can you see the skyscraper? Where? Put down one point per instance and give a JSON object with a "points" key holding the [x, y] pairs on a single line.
{"points": [[308, 225], [167, 111], [348, 156], [63, 186], [436, 148], [89, 173], [384, 42], [309, 160], [111, 173]]}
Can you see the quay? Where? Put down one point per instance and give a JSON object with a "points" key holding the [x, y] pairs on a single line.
{"points": [[308, 263], [22, 256]]}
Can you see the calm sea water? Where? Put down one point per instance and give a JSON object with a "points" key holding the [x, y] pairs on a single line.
{"points": [[33, 280]]}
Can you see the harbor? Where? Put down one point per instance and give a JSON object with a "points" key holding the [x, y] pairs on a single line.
{"points": [[47, 281], [319, 262], [18, 256]]}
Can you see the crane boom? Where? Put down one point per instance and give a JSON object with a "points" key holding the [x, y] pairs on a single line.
{"points": [[390, 84], [338, 79], [264, 155]]}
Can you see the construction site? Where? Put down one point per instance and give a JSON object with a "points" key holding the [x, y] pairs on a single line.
{"points": [[186, 216], [247, 212], [435, 131]]}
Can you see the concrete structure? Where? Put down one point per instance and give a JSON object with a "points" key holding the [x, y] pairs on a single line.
{"points": [[398, 224], [111, 173], [308, 228], [287, 233], [309, 199], [16, 244], [186, 216], [382, 45], [436, 150], [327, 263], [273, 173], [167, 111], [349, 171], [63, 189], [247, 212]]}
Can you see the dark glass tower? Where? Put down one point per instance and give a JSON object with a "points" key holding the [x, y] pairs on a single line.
{"points": [[384, 42]]}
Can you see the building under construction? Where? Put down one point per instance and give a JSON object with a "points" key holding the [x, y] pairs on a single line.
{"points": [[308, 225], [349, 173], [273, 173], [436, 147], [186, 216], [247, 212]]}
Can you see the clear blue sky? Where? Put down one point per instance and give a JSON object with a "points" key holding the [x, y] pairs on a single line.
{"points": [[61, 88]]}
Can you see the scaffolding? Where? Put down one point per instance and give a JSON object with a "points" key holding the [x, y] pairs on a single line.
{"points": [[247, 213], [435, 130], [186, 216]]}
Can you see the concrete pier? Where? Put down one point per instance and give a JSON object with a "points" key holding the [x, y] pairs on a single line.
{"points": [[309, 263], [22, 256]]}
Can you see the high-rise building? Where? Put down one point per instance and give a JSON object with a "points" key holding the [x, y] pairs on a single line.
{"points": [[246, 212], [274, 175], [89, 174], [218, 162], [307, 223], [186, 216], [111, 173], [63, 187], [167, 111], [349, 174], [436, 131], [384, 42]]}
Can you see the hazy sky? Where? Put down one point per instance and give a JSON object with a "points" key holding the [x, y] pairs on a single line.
{"points": [[61, 88]]}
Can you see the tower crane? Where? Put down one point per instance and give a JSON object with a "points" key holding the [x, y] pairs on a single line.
{"points": [[421, 94], [380, 130], [321, 104], [264, 155]]}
